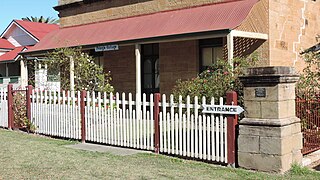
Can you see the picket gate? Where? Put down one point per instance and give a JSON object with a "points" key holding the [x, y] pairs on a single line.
{"points": [[3, 108], [56, 113], [185, 131], [116, 120]]}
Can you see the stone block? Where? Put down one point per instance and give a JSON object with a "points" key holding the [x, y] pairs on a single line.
{"points": [[276, 145], [265, 131], [253, 109], [297, 157], [296, 128], [247, 143], [270, 110], [286, 92], [264, 162], [277, 110], [297, 143]]}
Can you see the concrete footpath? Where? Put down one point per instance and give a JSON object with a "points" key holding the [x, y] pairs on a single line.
{"points": [[120, 151]]}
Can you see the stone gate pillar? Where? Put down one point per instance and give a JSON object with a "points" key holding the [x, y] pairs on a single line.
{"points": [[270, 137]]}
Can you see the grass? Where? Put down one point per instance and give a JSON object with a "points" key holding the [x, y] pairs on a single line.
{"points": [[24, 156]]}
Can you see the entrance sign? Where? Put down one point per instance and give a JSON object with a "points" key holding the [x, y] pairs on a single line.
{"points": [[107, 48], [222, 109]]}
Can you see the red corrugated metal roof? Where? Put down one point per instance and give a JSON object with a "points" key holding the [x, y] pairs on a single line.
{"points": [[39, 30], [5, 44], [12, 55], [208, 18]]}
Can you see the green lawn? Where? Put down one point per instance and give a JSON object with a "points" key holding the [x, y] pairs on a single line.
{"points": [[24, 156]]}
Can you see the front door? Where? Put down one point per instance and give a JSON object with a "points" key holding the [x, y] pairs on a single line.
{"points": [[150, 69]]}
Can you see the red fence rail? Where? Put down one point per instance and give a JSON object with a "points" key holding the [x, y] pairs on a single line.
{"points": [[308, 110]]}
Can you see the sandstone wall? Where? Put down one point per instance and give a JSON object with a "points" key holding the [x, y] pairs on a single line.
{"points": [[114, 9], [293, 27]]}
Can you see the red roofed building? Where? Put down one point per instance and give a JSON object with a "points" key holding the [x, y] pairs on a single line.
{"points": [[149, 44], [19, 36]]}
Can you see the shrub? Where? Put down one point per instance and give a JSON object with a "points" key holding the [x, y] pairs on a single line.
{"points": [[88, 75], [216, 80], [20, 112]]}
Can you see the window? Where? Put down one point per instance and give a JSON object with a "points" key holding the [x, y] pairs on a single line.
{"points": [[150, 68], [210, 51]]}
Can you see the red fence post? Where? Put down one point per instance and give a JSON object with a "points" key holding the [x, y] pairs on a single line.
{"points": [[29, 92], [156, 123], [83, 119], [10, 106], [232, 122]]}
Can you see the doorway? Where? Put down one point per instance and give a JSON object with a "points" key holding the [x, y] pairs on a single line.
{"points": [[150, 69]]}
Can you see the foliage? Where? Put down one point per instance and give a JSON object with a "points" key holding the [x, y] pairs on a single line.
{"points": [[308, 89], [41, 19], [88, 75], [216, 80], [20, 112], [296, 169], [31, 72], [309, 84]]}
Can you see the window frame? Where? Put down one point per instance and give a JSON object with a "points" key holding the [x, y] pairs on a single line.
{"points": [[208, 43]]}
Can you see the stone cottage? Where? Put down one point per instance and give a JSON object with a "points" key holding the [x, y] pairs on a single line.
{"points": [[149, 44]]}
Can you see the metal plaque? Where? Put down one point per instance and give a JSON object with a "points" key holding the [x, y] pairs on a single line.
{"points": [[260, 92]]}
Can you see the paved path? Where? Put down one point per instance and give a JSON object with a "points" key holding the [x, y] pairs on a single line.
{"points": [[109, 149]]}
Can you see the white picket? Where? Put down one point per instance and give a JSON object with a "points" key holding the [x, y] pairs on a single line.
{"points": [[221, 133], [180, 134], [123, 115], [118, 119], [164, 115], [3, 109], [78, 120], [144, 117], [204, 125], [169, 129], [184, 130], [192, 154], [151, 120], [204, 133], [208, 138], [134, 128], [188, 127], [184, 138], [200, 135], [172, 124], [130, 121], [104, 118], [217, 139], [225, 140]]}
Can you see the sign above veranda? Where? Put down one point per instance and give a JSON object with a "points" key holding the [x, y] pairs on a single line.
{"points": [[112, 47]]}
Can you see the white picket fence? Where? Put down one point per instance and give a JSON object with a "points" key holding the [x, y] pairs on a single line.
{"points": [[115, 121], [3, 108], [121, 121], [56, 113], [185, 133]]}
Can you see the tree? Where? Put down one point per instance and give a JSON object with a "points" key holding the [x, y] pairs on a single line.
{"points": [[88, 75], [41, 19], [309, 82]]}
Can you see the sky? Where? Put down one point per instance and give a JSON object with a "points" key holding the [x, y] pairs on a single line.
{"points": [[17, 9]]}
